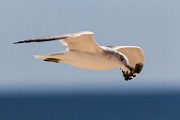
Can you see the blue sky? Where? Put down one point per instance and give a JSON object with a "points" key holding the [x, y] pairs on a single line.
{"points": [[153, 25]]}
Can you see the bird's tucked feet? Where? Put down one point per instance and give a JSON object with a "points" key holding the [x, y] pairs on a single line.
{"points": [[56, 60]]}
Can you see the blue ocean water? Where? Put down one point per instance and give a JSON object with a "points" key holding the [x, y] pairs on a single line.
{"points": [[91, 107]]}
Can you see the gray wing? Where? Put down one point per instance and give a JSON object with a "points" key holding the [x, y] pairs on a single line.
{"points": [[135, 56], [80, 41]]}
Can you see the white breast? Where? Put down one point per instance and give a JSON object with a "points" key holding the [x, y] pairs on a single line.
{"points": [[89, 60]]}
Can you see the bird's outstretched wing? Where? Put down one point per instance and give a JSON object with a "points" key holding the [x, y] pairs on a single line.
{"points": [[135, 56], [80, 41]]}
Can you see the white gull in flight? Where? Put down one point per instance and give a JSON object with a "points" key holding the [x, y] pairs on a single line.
{"points": [[84, 52]]}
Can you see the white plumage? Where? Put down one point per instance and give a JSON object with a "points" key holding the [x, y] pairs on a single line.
{"points": [[83, 52]]}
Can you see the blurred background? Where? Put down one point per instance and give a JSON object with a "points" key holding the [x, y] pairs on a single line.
{"points": [[31, 88]]}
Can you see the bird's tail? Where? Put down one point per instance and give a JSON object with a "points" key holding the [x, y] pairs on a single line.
{"points": [[48, 58]]}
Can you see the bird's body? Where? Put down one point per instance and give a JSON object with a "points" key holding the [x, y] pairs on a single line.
{"points": [[92, 61], [84, 52], [87, 60]]}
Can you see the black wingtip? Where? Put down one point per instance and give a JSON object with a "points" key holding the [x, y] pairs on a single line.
{"points": [[17, 42], [24, 41], [127, 76], [44, 39], [138, 68], [134, 72]]}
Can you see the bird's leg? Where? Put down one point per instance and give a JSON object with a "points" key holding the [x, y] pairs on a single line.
{"points": [[57, 57], [56, 60]]}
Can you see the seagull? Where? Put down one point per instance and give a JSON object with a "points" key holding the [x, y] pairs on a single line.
{"points": [[83, 52]]}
